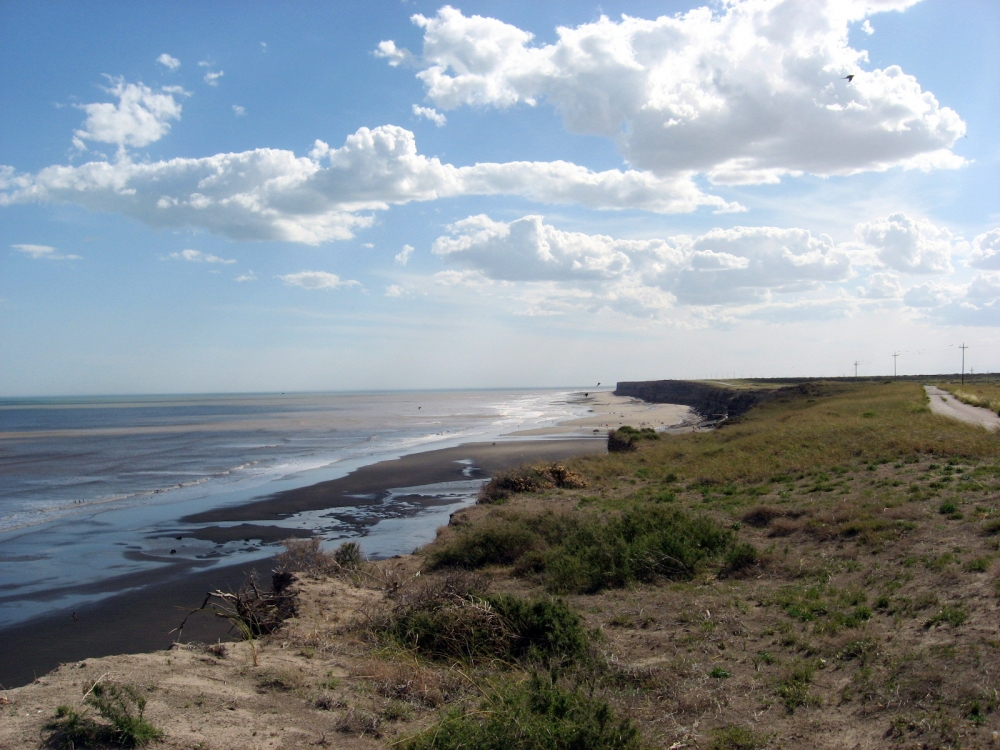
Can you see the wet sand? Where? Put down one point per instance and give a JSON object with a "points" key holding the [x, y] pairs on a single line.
{"points": [[153, 602], [368, 484]]}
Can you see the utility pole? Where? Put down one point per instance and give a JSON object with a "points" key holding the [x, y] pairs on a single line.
{"points": [[894, 355], [856, 363], [963, 347]]}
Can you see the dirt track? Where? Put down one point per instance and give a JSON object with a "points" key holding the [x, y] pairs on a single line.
{"points": [[945, 404]]}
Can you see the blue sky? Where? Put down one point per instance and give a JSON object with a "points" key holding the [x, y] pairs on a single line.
{"points": [[325, 196]]}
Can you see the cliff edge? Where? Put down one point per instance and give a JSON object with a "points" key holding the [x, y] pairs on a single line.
{"points": [[713, 402]]}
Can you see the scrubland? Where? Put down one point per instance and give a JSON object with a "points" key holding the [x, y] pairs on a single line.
{"points": [[821, 572]]}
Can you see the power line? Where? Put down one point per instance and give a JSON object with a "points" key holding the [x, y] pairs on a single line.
{"points": [[856, 363]]}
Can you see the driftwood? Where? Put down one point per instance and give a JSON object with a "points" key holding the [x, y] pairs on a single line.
{"points": [[251, 610]]}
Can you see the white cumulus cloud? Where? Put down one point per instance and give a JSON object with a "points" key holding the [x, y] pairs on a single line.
{"points": [[43, 252], [196, 256], [317, 280], [239, 111], [431, 114], [169, 62], [744, 95], [394, 290], [141, 116], [882, 286], [212, 78], [244, 277], [403, 257], [739, 266], [986, 251], [909, 245], [272, 194]]}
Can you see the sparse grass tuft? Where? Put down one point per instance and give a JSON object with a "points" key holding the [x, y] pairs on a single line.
{"points": [[122, 705], [535, 715], [736, 738]]}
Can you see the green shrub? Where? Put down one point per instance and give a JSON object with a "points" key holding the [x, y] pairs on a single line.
{"points": [[120, 704], [587, 552], [625, 438], [529, 479], [448, 625], [532, 716], [348, 555], [739, 558]]}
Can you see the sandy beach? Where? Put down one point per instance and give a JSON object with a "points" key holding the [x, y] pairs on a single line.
{"points": [[611, 412]]}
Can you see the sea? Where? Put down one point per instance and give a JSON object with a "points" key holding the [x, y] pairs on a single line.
{"points": [[91, 489]]}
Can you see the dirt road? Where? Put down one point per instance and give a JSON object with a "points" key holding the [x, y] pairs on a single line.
{"points": [[945, 404]]}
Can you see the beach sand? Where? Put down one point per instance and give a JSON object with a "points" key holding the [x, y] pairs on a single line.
{"points": [[148, 605], [611, 412]]}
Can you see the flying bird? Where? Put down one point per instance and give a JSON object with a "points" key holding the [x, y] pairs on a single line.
{"points": [[848, 78]]}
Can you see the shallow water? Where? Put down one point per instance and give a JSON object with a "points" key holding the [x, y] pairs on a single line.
{"points": [[92, 488]]}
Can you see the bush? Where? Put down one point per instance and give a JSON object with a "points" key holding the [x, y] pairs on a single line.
{"points": [[739, 558], [440, 622], [529, 479], [625, 438], [120, 704], [306, 556], [533, 716], [587, 552]]}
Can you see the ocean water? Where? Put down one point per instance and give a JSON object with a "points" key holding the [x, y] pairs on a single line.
{"points": [[91, 488]]}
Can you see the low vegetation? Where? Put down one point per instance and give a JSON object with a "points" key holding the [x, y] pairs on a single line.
{"points": [[120, 705]]}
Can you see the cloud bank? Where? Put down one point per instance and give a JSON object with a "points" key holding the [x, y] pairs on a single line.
{"points": [[719, 275], [272, 194]]}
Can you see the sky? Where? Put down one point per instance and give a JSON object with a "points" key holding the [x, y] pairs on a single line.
{"points": [[255, 196]]}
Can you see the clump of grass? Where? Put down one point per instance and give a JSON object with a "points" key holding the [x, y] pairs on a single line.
{"points": [[529, 479], [719, 673], [978, 565], [736, 738], [793, 689], [536, 715], [360, 723], [446, 622], [588, 552], [950, 510], [122, 705], [950, 615]]}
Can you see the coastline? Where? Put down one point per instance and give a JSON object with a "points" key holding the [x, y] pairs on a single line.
{"points": [[149, 605]]}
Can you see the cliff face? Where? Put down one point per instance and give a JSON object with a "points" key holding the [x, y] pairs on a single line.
{"points": [[711, 401]]}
